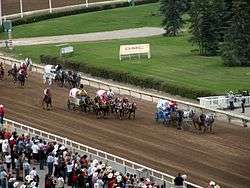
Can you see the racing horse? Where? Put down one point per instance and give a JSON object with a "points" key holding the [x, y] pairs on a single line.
{"points": [[21, 77], [47, 99], [86, 104], [203, 120], [61, 77], [73, 79], [101, 108], [131, 110], [13, 72]]}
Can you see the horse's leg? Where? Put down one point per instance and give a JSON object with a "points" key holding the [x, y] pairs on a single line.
{"points": [[205, 129], [211, 128], [43, 103]]}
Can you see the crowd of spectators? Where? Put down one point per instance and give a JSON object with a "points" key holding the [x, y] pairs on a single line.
{"points": [[22, 154]]}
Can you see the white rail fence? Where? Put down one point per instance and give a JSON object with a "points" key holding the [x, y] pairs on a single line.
{"points": [[143, 95], [222, 102], [127, 165], [52, 9]]}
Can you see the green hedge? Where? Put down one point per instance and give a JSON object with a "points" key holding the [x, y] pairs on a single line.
{"points": [[47, 16], [125, 77]]}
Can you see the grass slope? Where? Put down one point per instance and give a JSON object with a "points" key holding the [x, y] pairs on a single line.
{"points": [[171, 61], [107, 20]]}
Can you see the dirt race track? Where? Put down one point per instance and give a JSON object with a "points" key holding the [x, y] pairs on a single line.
{"points": [[13, 6], [223, 156]]}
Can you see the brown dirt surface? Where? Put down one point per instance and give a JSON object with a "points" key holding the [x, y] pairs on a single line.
{"points": [[13, 6], [223, 156]]}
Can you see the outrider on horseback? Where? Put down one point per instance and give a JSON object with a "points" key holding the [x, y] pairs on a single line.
{"points": [[47, 99]]}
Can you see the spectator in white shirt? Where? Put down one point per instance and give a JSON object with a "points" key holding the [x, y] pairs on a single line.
{"points": [[8, 161], [5, 146], [50, 162], [35, 150], [33, 173], [69, 173]]}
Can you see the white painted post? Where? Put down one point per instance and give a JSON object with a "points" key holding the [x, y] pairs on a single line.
{"points": [[87, 3], [21, 8], [50, 7], [1, 13]]}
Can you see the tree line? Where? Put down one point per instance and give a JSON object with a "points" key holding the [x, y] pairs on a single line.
{"points": [[217, 27]]}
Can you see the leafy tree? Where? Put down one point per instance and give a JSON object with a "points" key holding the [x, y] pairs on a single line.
{"points": [[206, 25], [236, 47], [172, 11]]}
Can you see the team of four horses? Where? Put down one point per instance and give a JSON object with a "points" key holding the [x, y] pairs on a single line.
{"points": [[105, 103]]}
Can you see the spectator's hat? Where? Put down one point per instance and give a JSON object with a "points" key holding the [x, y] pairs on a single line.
{"points": [[84, 170], [28, 178], [33, 184], [62, 147], [95, 174], [12, 179], [15, 184], [119, 178], [109, 169], [110, 175], [184, 176], [117, 174], [95, 162], [103, 166], [212, 183]]}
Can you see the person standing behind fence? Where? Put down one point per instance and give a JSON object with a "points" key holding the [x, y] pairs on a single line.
{"points": [[243, 102], [231, 100]]}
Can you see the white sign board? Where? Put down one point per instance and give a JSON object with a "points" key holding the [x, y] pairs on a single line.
{"points": [[66, 50], [136, 49]]}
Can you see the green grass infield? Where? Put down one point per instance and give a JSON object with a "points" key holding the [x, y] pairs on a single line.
{"points": [[172, 61]]}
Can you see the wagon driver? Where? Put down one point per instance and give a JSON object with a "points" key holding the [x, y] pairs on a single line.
{"points": [[82, 93]]}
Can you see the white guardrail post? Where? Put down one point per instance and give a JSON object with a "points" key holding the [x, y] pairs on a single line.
{"points": [[143, 95], [92, 151]]}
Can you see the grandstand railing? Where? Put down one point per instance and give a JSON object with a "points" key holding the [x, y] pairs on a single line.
{"points": [[144, 95], [166, 178]]}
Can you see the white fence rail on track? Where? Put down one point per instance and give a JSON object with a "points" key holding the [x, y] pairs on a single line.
{"points": [[52, 9], [140, 94], [164, 178], [222, 102]]}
